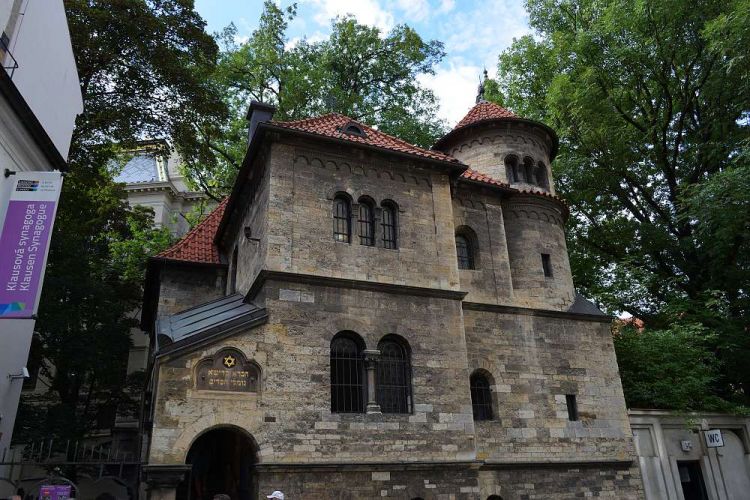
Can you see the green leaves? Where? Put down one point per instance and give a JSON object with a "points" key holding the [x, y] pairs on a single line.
{"points": [[357, 71], [651, 101]]}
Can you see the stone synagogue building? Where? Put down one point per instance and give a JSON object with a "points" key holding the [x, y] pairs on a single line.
{"points": [[362, 318]]}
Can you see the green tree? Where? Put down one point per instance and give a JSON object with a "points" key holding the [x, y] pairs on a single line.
{"points": [[357, 71], [671, 368], [651, 101], [142, 66]]}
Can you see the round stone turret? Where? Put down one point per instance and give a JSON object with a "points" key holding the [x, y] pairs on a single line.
{"points": [[494, 141]]}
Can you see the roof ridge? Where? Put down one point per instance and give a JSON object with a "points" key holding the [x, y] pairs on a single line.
{"points": [[331, 124]]}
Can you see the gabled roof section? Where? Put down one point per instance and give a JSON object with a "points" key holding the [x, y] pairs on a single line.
{"points": [[334, 125], [207, 320], [198, 246]]}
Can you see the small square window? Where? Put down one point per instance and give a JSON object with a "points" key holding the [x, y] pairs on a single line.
{"points": [[547, 265], [570, 400]]}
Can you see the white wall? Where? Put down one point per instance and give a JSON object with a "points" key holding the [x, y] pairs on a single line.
{"points": [[46, 75], [658, 435]]}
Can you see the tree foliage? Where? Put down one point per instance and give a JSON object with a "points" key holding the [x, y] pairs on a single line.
{"points": [[357, 71], [651, 101], [679, 372], [143, 67]]}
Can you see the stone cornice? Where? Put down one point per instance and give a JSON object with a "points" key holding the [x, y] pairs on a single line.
{"points": [[437, 464], [527, 311], [312, 279]]}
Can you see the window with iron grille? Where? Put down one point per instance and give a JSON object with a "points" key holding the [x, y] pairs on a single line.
{"points": [[464, 252], [481, 397], [389, 226], [342, 221], [348, 386], [366, 224], [394, 376]]}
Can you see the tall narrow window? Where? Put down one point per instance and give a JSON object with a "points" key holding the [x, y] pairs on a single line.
{"points": [[366, 224], [233, 277], [390, 226], [342, 222], [528, 170], [481, 396], [511, 168], [547, 265], [570, 401], [541, 175], [464, 252], [394, 376], [348, 386]]}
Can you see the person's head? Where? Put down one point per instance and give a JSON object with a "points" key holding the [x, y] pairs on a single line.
{"points": [[276, 494]]}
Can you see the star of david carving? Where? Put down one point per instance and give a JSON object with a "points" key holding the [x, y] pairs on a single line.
{"points": [[229, 361]]}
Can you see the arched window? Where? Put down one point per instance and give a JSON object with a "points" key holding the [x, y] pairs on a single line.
{"points": [[465, 248], [481, 396], [541, 175], [528, 170], [390, 225], [394, 376], [366, 223], [348, 386], [511, 168], [494, 497], [342, 222]]}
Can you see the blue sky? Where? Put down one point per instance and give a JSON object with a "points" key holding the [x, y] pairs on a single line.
{"points": [[474, 33]]}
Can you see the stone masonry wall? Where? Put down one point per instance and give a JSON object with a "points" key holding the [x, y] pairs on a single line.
{"points": [[428, 484], [534, 361], [304, 181], [485, 149], [490, 281], [534, 226], [291, 419], [251, 253], [621, 482], [181, 288]]}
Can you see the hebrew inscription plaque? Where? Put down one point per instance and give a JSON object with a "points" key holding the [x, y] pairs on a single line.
{"points": [[228, 370]]}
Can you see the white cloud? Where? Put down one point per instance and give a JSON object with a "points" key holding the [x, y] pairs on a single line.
{"points": [[446, 6], [455, 84], [415, 10], [484, 31], [368, 12]]}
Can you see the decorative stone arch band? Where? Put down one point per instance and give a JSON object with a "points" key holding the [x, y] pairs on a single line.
{"points": [[228, 370]]}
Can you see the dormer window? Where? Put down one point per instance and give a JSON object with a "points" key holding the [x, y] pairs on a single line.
{"points": [[352, 128]]}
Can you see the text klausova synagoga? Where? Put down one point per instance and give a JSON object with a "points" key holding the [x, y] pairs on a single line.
{"points": [[363, 318]]}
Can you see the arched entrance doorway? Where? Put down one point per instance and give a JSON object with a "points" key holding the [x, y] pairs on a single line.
{"points": [[222, 461]]}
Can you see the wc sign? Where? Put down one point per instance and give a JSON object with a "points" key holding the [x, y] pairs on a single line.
{"points": [[714, 439]]}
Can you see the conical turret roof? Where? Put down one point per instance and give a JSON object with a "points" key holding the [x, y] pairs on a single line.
{"points": [[488, 112]]}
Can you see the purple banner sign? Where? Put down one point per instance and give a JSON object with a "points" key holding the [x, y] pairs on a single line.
{"points": [[24, 241], [54, 492]]}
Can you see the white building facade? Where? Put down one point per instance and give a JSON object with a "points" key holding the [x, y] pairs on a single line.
{"points": [[40, 98]]}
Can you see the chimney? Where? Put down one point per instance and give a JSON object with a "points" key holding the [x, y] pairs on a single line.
{"points": [[259, 112]]}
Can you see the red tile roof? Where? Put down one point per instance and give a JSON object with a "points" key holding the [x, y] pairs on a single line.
{"points": [[331, 125], [473, 175], [198, 244], [484, 111]]}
